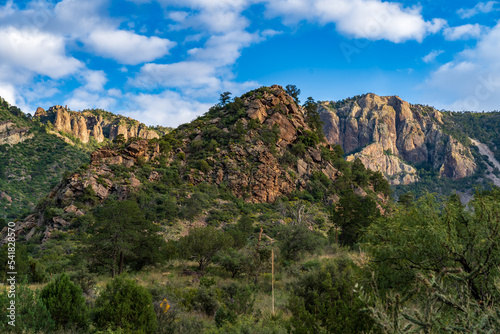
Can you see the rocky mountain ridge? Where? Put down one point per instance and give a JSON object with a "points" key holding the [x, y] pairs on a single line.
{"points": [[392, 136], [243, 147], [93, 124]]}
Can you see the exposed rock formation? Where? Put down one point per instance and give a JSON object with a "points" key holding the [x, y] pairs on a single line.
{"points": [[374, 158], [100, 178], [86, 124], [252, 169], [404, 133], [11, 134]]}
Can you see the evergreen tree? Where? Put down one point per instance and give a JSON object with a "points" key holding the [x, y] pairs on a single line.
{"points": [[65, 302], [122, 233]]}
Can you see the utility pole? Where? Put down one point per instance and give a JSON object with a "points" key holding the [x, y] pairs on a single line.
{"points": [[272, 276]]}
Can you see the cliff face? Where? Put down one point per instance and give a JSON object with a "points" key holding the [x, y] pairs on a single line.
{"points": [[387, 133], [11, 134], [86, 124]]}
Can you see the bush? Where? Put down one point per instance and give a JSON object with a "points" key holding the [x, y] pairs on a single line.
{"points": [[323, 301], [126, 305], [32, 316], [206, 300], [66, 303], [299, 149]]}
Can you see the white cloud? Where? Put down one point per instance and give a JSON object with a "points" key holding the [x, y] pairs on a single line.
{"points": [[481, 7], [168, 108], [222, 50], [8, 92], [36, 51], [206, 72], [95, 80], [82, 99], [472, 80], [127, 47], [183, 74], [371, 19], [466, 31], [429, 58], [77, 19]]}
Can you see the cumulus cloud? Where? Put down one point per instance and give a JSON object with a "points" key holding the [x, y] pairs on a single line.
{"points": [[8, 92], [466, 31], [82, 99], [481, 7], [183, 74], [95, 80], [370, 19], [36, 51], [127, 47], [168, 108], [429, 58], [472, 80], [206, 72], [216, 16]]}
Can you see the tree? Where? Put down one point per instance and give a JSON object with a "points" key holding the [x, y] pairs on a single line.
{"points": [[125, 304], [231, 260], [354, 214], [293, 91], [310, 105], [224, 98], [65, 302], [426, 237], [121, 232], [295, 239], [32, 316], [323, 301], [202, 243]]}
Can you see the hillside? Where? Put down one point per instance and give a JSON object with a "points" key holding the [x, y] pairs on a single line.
{"points": [[35, 152], [260, 148]]}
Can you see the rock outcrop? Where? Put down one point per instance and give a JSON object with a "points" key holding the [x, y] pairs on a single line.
{"points": [[91, 123], [11, 134], [251, 169], [389, 135], [100, 179]]}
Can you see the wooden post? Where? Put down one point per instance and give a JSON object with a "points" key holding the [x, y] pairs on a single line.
{"points": [[272, 275]]}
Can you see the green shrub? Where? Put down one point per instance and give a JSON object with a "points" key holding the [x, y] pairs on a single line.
{"points": [[206, 300], [223, 316], [126, 305], [32, 316], [299, 149], [66, 303], [323, 301]]}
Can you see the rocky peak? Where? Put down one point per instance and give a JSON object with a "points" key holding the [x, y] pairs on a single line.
{"points": [[389, 134], [95, 124]]}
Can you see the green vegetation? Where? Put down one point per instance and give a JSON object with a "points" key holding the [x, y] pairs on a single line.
{"points": [[182, 253], [65, 303], [30, 170], [480, 126], [125, 305]]}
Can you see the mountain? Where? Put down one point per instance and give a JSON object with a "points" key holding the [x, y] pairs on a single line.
{"points": [[95, 124], [403, 141], [258, 149], [35, 152]]}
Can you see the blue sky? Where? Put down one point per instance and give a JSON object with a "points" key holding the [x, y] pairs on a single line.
{"points": [[166, 61]]}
